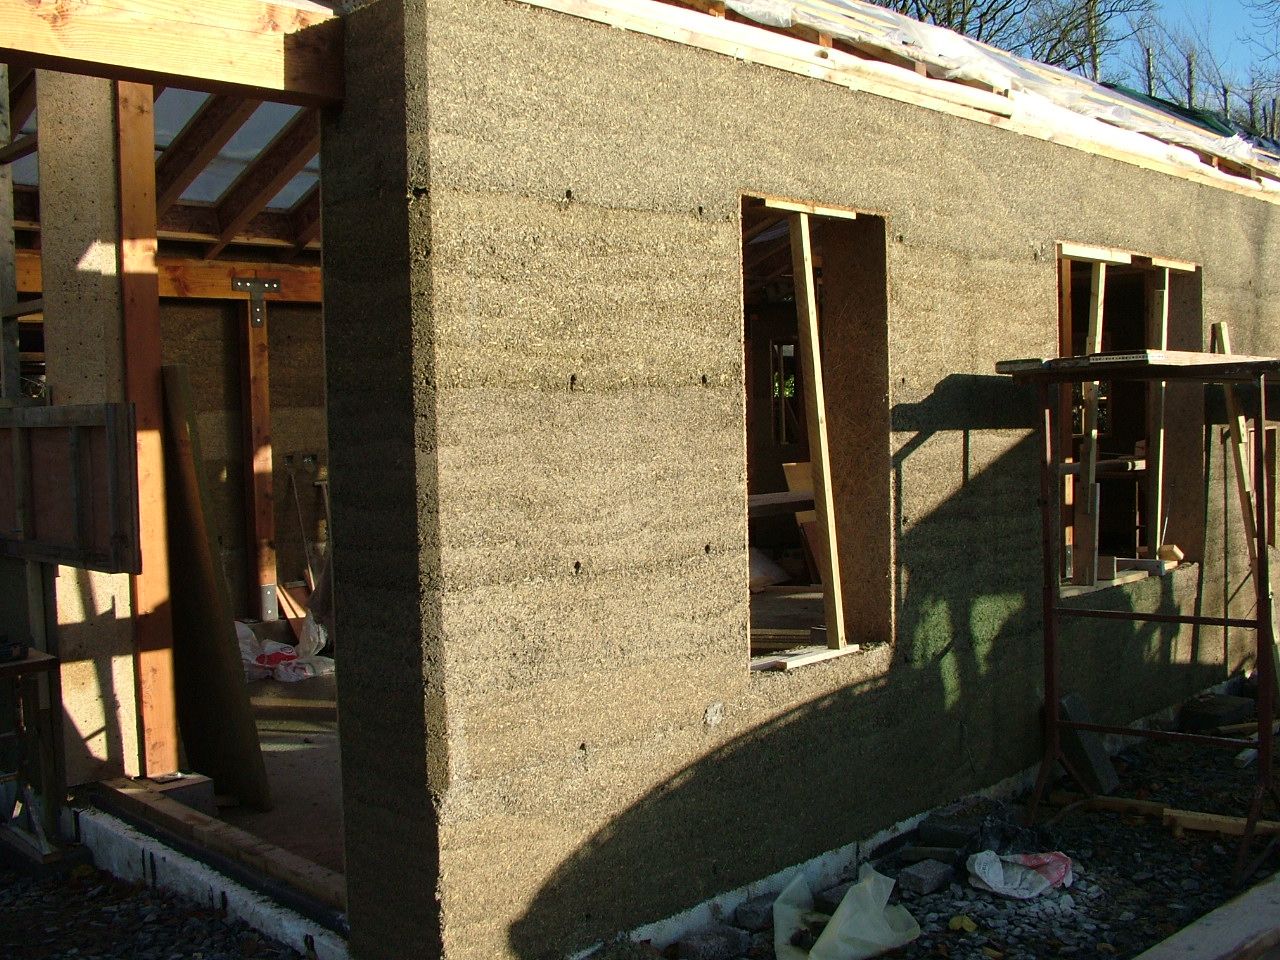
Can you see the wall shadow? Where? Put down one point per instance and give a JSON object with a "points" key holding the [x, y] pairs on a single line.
{"points": [[958, 710]]}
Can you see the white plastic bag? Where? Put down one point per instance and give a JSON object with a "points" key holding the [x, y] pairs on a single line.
{"points": [[284, 662], [864, 925], [764, 572], [1019, 875]]}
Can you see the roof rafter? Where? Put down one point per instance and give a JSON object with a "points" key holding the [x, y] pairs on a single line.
{"points": [[206, 133], [275, 51], [304, 218], [22, 97], [285, 156]]}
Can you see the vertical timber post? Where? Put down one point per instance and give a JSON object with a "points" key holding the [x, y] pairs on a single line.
{"points": [[256, 377], [140, 298]]}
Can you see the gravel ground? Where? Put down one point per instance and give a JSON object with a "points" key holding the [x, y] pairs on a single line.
{"points": [[89, 914], [1135, 883]]}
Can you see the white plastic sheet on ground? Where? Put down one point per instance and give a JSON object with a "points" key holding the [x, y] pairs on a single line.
{"points": [[1019, 875], [864, 925], [288, 663]]}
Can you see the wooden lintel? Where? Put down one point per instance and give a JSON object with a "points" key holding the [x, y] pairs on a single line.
{"points": [[1165, 263], [206, 133], [139, 288], [284, 157], [248, 47], [817, 210], [204, 279], [1091, 254]]}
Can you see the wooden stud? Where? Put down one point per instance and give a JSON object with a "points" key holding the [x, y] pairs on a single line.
{"points": [[1085, 549], [261, 514], [196, 144], [1066, 407], [810, 350], [153, 624], [10, 361], [284, 157], [273, 51], [1157, 339]]}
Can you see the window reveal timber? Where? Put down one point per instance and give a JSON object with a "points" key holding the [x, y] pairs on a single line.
{"points": [[1113, 494]]}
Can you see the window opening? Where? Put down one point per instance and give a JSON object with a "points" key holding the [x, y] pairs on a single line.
{"points": [[815, 334]]}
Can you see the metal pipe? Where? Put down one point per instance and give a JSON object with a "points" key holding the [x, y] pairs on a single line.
{"points": [[1135, 615]]}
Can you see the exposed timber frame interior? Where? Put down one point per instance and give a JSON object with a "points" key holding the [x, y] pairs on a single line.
{"points": [[170, 254]]}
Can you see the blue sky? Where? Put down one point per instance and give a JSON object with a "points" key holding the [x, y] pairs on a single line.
{"points": [[1223, 21]]}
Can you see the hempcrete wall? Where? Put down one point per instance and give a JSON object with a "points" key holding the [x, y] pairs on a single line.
{"points": [[549, 729]]}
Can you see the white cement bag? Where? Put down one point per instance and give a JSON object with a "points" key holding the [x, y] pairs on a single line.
{"points": [[1019, 875], [764, 572], [864, 925]]}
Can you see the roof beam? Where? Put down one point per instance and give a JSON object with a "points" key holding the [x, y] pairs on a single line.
{"points": [[285, 156], [206, 133], [203, 279], [247, 47]]}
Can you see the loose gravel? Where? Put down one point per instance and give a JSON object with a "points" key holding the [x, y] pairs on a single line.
{"points": [[89, 915]]}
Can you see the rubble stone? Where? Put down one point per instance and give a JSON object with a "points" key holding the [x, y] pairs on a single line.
{"points": [[925, 877]]}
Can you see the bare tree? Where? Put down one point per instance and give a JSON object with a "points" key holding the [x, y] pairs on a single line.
{"points": [[1079, 35]]}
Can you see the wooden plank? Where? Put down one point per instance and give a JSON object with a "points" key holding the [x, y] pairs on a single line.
{"points": [[204, 279], [796, 206], [219, 735], [152, 620], [809, 348], [261, 514], [1220, 342], [1215, 823], [284, 157], [1141, 808], [1157, 338], [197, 143], [1091, 254], [775, 504], [803, 658], [274, 51], [317, 882]]}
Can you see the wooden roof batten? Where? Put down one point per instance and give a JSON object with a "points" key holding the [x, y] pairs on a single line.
{"points": [[286, 51]]}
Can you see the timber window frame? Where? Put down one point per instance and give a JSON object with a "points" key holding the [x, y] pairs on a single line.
{"points": [[1104, 411]]}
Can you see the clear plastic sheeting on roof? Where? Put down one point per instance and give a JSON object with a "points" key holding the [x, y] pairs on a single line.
{"points": [[1034, 88]]}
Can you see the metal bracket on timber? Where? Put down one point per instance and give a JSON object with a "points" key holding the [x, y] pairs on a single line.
{"points": [[257, 388]]}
